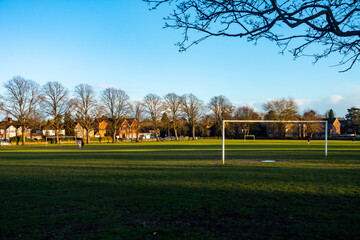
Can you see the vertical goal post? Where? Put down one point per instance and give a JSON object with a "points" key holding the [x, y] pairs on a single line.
{"points": [[272, 121]]}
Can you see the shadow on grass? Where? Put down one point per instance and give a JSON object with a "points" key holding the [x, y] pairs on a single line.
{"points": [[235, 202]]}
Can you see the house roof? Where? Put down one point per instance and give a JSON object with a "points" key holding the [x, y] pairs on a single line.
{"points": [[5, 124], [130, 121], [101, 119], [331, 121]]}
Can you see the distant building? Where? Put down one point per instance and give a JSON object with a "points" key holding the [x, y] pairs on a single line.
{"points": [[49, 132], [81, 132], [37, 134], [129, 128], [7, 129], [27, 132], [147, 135], [334, 126], [100, 127]]}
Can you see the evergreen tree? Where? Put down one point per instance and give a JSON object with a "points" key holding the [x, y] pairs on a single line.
{"points": [[331, 114], [354, 117], [69, 124]]}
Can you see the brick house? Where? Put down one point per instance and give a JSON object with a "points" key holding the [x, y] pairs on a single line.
{"points": [[100, 127], [4, 125], [334, 126], [7, 129], [129, 128], [80, 132]]}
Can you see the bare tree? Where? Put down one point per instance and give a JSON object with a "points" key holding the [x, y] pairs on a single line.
{"points": [[55, 104], [193, 109], [1, 106], [85, 107], [312, 128], [116, 107], [21, 101], [221, 109], [281, 109], [284, 109], [246, 113], [137, 110], [36, 120], [324, 27], [205, 123], [154, 107], [173, 106]]}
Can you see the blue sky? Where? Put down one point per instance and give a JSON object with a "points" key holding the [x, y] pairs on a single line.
{"points": [[123, 44]]}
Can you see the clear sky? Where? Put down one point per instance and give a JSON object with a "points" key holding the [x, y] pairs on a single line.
{"points": [[122, 44]]}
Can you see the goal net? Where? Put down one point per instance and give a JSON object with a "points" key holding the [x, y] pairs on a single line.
{"points": [[270, 147]]}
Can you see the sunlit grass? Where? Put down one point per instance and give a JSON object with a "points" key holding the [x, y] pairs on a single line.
{"points": [[180, 190]]}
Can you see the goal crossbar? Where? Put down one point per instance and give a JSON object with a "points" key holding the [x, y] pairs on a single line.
{"points": [[271, 121]]}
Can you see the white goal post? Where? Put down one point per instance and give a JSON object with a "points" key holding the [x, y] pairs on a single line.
{"points": [[246, 136], [269, 121]]}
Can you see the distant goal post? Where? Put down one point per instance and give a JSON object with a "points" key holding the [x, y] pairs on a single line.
{"points": [[272, 121], [249, 136]]}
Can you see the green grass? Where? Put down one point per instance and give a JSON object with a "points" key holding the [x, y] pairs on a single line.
{"points": [[180, 190]]}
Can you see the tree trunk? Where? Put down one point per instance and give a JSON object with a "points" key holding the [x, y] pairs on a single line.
{"points": [[137, 134], [23, 135], [113, 137], [156, 135], [175, 131], [193, 131], [16, 134], [87, 136], [57, 135]]}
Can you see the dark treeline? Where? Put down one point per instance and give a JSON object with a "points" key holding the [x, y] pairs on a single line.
{"points": [[52, 105]]}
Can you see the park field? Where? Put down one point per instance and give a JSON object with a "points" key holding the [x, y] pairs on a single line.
{"points": [[181, 190]]}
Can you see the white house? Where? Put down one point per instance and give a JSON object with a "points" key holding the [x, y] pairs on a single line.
{"points": [[52, 132], [145, 135], [10, 132]]}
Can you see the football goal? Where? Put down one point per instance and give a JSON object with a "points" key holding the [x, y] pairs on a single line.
{"points": [[225, 122], [249, 136]]}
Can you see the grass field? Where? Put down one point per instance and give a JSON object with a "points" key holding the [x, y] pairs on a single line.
{"points": [[180, 190]]}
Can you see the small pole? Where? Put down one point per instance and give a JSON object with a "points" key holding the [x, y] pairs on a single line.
{"points": [[223, 142], [326, 138]]}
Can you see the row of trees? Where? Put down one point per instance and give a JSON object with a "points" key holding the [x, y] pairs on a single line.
{"points": [[30, 103]]}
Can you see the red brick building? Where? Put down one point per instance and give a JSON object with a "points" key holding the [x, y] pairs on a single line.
{"points": [[129, 129]]}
